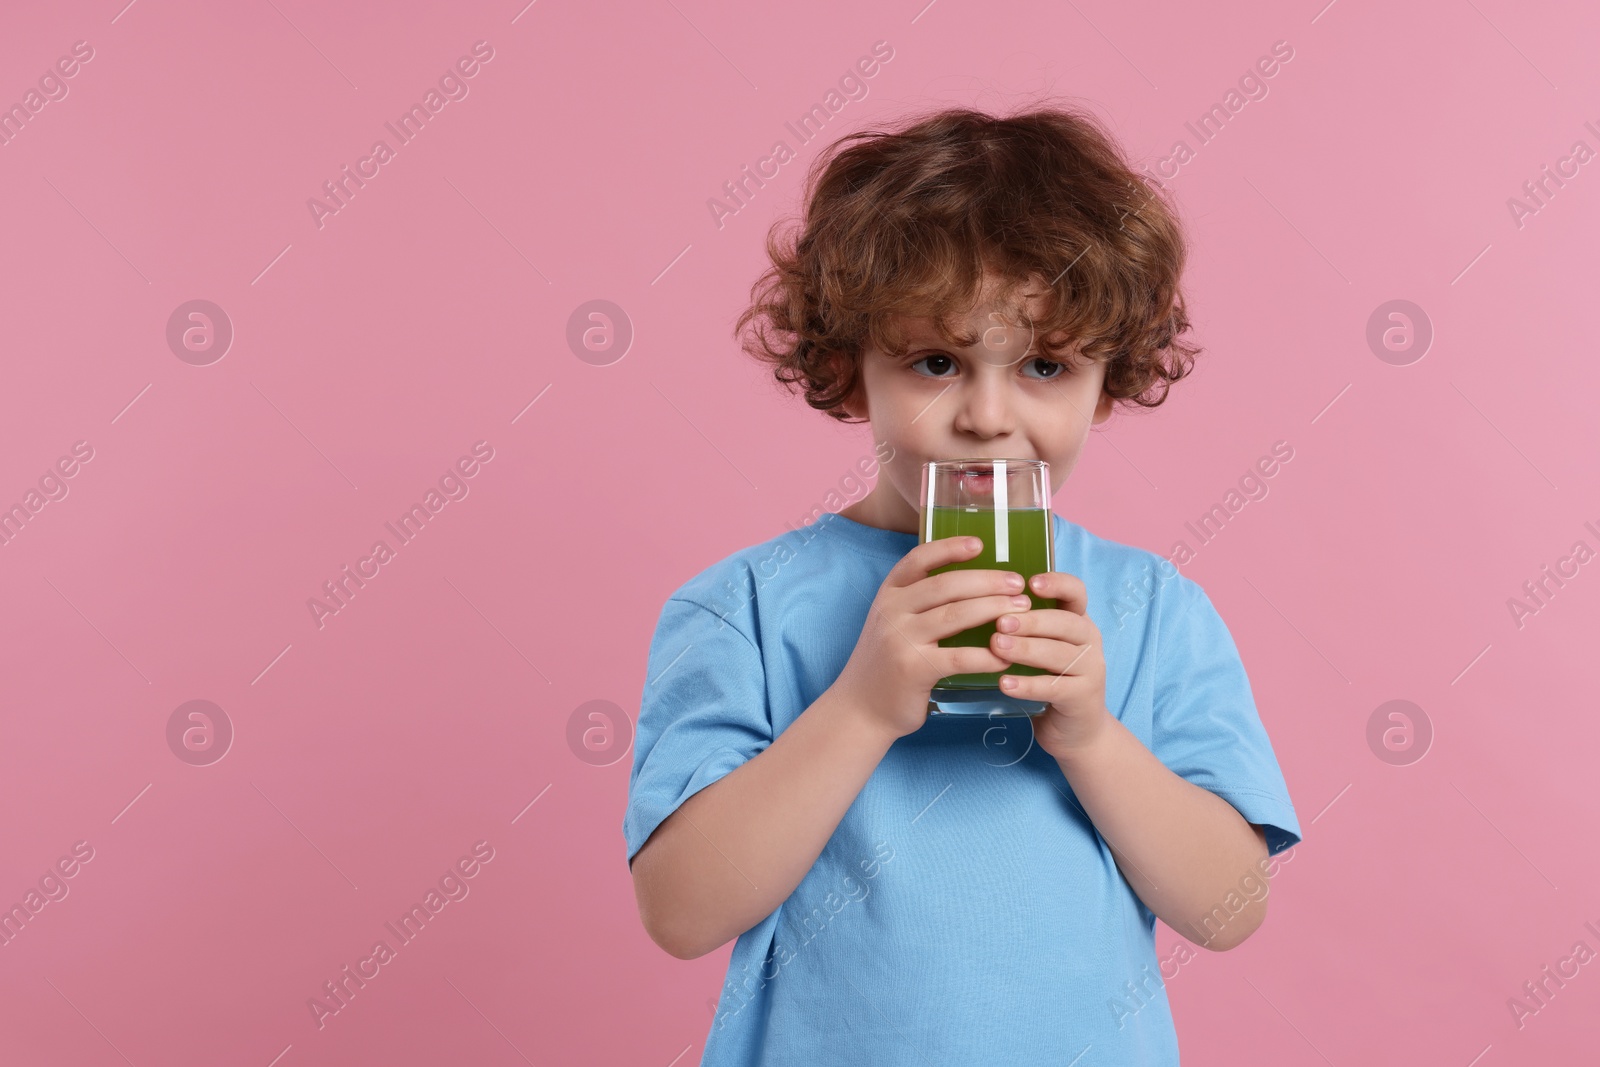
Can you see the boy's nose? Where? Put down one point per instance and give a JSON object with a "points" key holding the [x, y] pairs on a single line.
{"points": [[984, 409]]}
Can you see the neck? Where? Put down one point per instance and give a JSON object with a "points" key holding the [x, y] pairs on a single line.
{"points": [[885, 509]]}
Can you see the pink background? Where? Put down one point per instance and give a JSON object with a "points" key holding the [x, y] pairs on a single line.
{"points": [[369, 354]]}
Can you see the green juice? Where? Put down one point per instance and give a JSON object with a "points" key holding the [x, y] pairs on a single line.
{"points": [[1027, 547]]}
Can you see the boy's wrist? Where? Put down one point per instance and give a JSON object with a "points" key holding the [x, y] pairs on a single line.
{"points": [[1097, 745], [853, 714]]}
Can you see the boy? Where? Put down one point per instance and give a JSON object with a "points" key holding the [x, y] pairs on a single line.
{"points": [[949, 890]]}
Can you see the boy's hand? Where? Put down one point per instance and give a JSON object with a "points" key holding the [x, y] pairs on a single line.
{"points": [[897, 658], [1065, 642]]}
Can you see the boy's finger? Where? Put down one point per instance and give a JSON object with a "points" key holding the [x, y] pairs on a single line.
{"points": [[1046, 687], [947, 620], [1066, 588], [964, 584], [1059, 623], [915, 565], [969, 659], [1046, 653]]}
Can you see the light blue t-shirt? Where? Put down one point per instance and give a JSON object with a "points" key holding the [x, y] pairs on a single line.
{"points": [[965, 911]]}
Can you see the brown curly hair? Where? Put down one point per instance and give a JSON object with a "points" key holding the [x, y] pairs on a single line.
{"points": [[907, 221]]}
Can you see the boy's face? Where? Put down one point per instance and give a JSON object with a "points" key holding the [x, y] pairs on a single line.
{"points": [[997, 398]]}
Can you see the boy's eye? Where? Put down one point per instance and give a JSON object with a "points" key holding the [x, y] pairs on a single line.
{"points": [[938, 363], [1048, 368]]}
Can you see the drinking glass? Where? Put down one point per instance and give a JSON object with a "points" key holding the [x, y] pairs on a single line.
{"points": [[1006, 504]]}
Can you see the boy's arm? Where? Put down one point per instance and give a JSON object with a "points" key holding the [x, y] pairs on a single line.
{"points": [[1185, 851], [735, 850], [1182, 848]]}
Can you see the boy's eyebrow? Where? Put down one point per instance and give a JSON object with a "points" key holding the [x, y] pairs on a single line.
{"points": [[920, 335]]}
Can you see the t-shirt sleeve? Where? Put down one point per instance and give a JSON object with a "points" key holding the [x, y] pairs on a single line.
{"points": [[1205, 724], [703, 712]]}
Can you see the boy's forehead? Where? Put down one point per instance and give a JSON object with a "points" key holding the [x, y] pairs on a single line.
{"points": [[924, 328], [921, 327]]}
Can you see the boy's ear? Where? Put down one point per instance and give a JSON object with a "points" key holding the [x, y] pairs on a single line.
{"points": [[854, 405]]}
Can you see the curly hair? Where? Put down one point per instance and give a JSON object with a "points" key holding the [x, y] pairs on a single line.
{"points": [[907, 221]]}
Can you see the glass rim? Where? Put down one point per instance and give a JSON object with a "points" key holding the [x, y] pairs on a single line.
{"points": [[964, 464]]}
